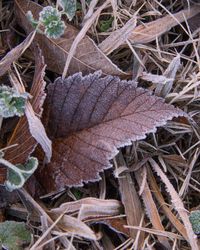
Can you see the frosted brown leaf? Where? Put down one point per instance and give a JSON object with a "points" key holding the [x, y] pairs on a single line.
{"points": [[89, 118]]}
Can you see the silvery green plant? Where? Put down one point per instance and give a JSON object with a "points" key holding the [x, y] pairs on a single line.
{"points": [[11, 102], [17, 175], [51, 19], [50, 22], [69, 7], [195, 221]]}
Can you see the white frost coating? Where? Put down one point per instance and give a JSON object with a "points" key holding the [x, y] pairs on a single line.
{"points": [[38, 132]]}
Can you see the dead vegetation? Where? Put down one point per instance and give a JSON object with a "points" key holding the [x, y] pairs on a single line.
{"points": [[144, 200]]}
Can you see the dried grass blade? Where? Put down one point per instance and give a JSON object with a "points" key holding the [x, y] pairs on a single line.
{"points": [[150, 31], [177, 224], [151, 208], [186, 182], [130, 200], [15, 53], [170, 73], [118, 37], [178, 205], [157, 232]]}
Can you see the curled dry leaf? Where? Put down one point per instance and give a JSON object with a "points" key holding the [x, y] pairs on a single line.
{"points": [[74, 227], [22, 135], [15, 53], [88, 57], [90, 208], [89, 118], [95, 210]]}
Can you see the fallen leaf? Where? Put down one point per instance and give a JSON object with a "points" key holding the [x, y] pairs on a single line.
{"points": [[15, 53], [88, 57], [89, 118], [23, 133], [96, 211], [90, 208], [14, 235], [149, 31], [74, 227]]}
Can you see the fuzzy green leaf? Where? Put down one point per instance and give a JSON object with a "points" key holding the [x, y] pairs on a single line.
{"points": [[69, 7], [48, 15], [11, 102], [16, 179], [55, 29], [31, 19], [51, 19], [14, 235]]}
